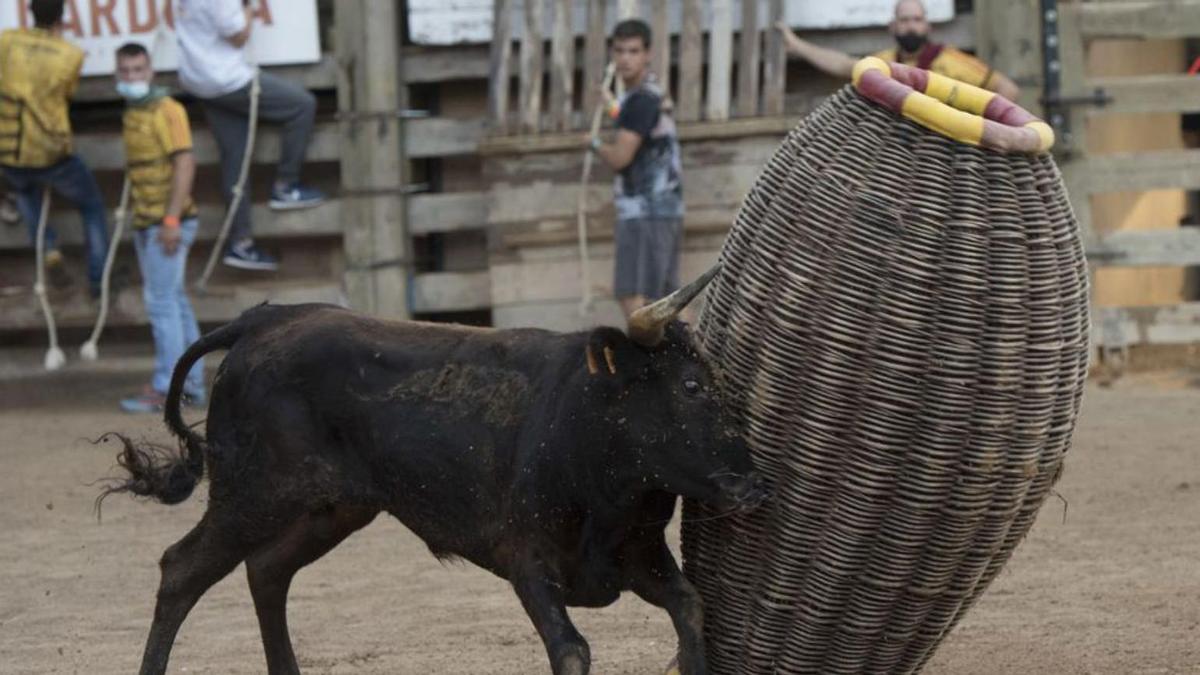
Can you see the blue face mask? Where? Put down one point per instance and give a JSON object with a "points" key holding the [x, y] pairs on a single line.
{"points": [[134, 91]]}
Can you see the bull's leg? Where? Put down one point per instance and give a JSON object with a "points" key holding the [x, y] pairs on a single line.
{"points": [[655, 577], [270, 570], [543, 600], [189, 568]]}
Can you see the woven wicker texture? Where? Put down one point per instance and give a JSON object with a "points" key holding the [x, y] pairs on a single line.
{"points": [[901, 323]]}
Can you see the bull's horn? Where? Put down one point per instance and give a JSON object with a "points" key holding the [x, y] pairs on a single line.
{"points": [[647, 324]]}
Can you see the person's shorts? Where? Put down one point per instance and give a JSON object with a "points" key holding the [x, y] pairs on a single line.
{"points": [[647, 260]]}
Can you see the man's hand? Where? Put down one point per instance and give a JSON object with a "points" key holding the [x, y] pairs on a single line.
{"points": [[169, 236], [791, 41]]}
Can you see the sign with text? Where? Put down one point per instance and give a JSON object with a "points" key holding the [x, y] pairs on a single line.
{"points": [[285, 31]]}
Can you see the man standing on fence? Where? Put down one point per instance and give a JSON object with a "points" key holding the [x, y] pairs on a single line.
{"points": [[648, 189], [39, 72], [911, 30], [213, 67]]}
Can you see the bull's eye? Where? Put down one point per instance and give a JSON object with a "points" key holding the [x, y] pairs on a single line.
{"points": [[692, 387]]}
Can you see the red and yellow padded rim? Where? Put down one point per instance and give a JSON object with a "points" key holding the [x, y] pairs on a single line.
{"points": [[957, 110]]}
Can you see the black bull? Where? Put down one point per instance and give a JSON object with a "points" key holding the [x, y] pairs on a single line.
{"points": [[553, 460]]}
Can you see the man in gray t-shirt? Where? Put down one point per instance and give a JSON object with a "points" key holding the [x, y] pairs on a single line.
{"points": [[648, 192]]}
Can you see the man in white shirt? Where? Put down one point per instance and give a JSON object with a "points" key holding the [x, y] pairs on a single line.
{"points": [[213, 67]]}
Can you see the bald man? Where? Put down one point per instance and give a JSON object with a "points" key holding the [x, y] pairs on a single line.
{"points": [[911, 29]]}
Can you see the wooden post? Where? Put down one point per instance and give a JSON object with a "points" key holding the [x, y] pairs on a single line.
{"points": [[661, 29], [499, 65], [774, 62], [720, 60], [691, 56], [595, 49], [747, 97], [532, 68], [370, 95], [1007, 39], [562, 71]]}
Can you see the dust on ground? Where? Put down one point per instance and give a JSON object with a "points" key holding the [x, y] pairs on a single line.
{"points": [[1113, 588]]}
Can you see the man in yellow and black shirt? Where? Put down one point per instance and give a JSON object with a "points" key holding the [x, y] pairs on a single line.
{"points": [[911, 30], [39, 71], [161, 170]]}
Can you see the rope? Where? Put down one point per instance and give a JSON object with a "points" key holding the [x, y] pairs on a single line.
{"points": [[238, 188], [89, 351], [55, 358], [585, 302]]}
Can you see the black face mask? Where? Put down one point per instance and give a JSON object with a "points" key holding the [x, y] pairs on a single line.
{"points": [[910, 43]]}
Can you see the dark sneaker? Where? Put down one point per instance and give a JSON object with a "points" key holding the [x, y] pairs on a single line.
{"points": [[295, 196], [149, 401], [246, 256], [56, 271]]}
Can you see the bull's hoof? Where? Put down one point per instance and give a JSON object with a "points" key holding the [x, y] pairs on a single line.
{"points": [[573, 660]]}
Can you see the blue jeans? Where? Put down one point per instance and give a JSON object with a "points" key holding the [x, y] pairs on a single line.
{"points": [[71, 180], [167, 306]]}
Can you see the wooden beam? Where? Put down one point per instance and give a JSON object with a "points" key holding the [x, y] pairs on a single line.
{"points": [[595, 56], [1173, 325], [427, 214], [774, 62], [660, 28], [720, 60], [1150, 19], [498, 73], [445, 64], [319, 76], [1148, 93], [694, 131], [451, 291], [562, 71], [691, 59], [532, 68], [375, 236], [1169, 247], [1139, 171], [748, 64]]}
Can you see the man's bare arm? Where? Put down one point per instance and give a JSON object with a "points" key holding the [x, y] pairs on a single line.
{"points": [[620, 154], [830, 61], [183, 165]]}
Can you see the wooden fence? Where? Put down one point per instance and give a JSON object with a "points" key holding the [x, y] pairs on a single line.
{"points": [[1088, 174]]}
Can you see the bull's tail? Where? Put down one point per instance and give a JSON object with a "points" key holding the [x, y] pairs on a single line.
{"points": [[158, 472]]}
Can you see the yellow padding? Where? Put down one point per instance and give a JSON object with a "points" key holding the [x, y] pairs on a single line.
{"points": [[961, 95], [933, 114], [1045, 134], [869, 63]]}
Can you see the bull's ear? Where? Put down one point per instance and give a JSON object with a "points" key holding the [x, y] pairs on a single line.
{"points": [[605, 346]]}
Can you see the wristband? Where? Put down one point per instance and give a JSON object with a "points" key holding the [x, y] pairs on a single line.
{"points": [[170, 221]]}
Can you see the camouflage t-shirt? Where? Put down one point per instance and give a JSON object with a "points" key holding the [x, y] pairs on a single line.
{"points": [[650, 187]]}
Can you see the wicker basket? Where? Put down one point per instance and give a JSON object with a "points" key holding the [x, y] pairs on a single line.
{"points": [[901, 323]]}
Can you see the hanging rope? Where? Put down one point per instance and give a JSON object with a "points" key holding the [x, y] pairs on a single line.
{"points": [[89, 351], [54, 355], [585, 303], [238, 188]]}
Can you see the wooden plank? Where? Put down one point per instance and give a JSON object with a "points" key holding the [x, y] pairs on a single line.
{"points": [[627, 9], [774, 62], [499, 69], [691, 60], [720, 60], [1140, 171], [1149, 93], [693, 131], [1168, 247], [660, 29], [1150, 19], [1171, 325], [562, 72], [595, 56], [531, 68], [451, 291], [446, 64], [1073, 144], [427, 213], [748, 53], [1006, 39], [319, 76]]}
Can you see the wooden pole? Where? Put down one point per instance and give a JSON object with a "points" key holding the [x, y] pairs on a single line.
{"points": [[370, 94], [720, 60], [691, 57], [595, 49], [661, 29], [748, 53], [774, 62], [532, 68], [499, 68], [562, 71]]}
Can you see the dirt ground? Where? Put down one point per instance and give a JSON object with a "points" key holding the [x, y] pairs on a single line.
{"points": [[1113, 588]]}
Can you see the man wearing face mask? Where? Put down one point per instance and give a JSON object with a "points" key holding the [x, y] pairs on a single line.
{"points": [[911, 29], [161, 170], [39, 72]]}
